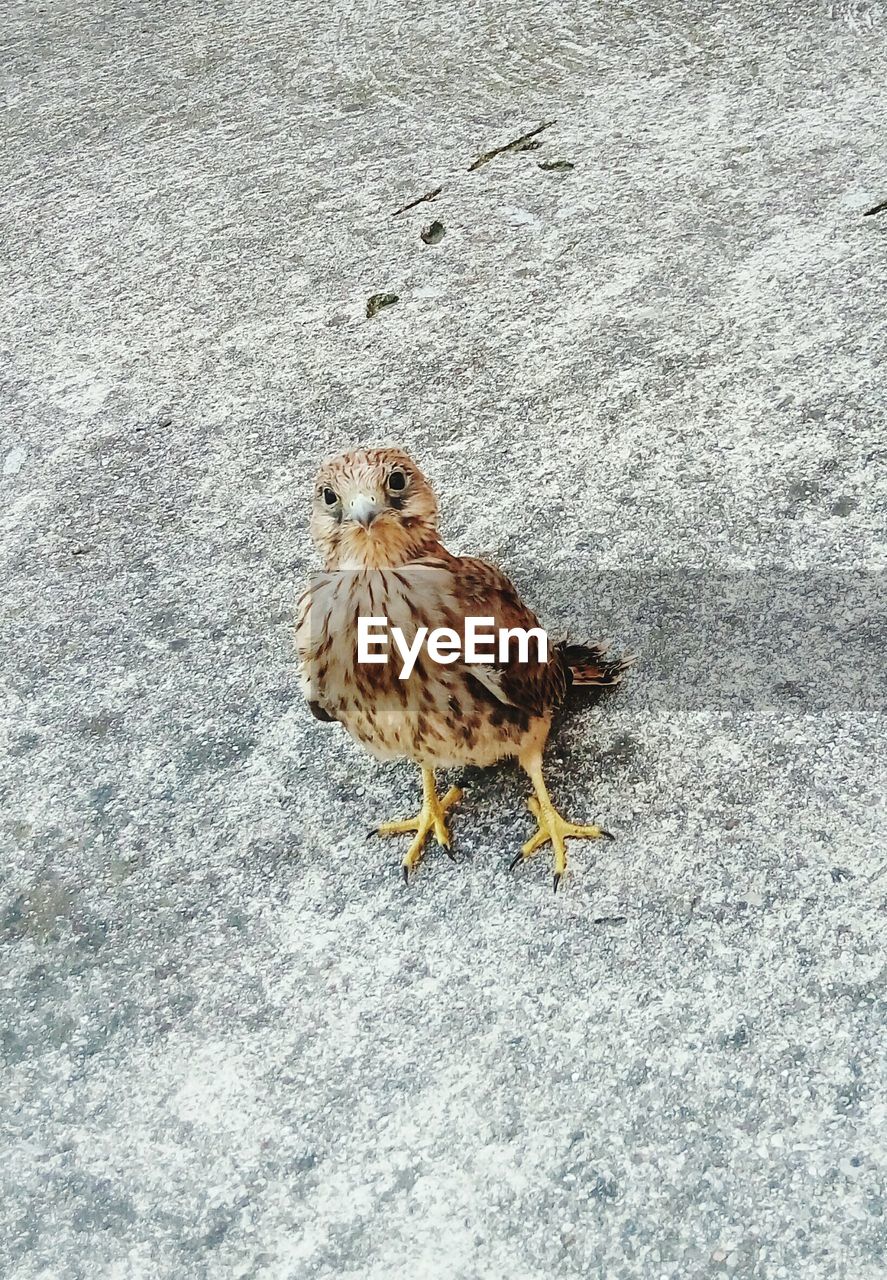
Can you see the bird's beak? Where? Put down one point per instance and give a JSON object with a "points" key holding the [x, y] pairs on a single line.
{"points": [[363, 510]]}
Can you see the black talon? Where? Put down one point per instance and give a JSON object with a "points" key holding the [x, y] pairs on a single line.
{"points": [[406, 874], [373, 831], [514, 861], [448, 851], [607, 835], [557, 880]]}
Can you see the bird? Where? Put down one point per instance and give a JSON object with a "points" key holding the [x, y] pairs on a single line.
{"points": [[375, 522]]}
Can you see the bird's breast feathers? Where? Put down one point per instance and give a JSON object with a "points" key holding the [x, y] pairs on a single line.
{"points": [[442, 713]]}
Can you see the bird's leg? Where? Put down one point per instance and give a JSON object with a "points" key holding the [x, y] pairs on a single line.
{"points": [[430, 818], [552, 827]]}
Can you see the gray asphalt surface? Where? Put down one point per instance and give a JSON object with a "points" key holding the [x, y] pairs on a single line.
{"points": [[234, 1044]]}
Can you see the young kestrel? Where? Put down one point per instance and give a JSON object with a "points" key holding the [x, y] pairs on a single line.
{"points": [[374, 521]]}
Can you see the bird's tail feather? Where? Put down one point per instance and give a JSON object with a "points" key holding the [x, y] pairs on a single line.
{"points": [[591, 664]]}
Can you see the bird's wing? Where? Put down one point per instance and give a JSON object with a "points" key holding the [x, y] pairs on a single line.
{"points": [[311, 640], [483, 591]]}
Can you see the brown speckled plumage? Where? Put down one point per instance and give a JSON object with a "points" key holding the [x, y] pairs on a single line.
{"points": [[374, 519]]}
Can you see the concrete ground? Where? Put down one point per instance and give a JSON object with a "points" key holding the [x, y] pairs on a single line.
{"points": [[235, 1044]]}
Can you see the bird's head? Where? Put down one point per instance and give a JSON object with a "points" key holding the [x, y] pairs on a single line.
{"points": [[372, 509]]}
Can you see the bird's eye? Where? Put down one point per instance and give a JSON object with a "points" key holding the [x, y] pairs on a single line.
{"points": [[397, 481], [329, 497]]}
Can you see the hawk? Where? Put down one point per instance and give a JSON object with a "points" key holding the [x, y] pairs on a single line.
{"points": [[374, 520]]}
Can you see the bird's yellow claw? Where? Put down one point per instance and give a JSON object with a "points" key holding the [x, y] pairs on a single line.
{"points": [[430, 819], [556, 830]]}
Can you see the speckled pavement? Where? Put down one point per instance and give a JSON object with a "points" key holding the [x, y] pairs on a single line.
{"points": [[235, 1045]]}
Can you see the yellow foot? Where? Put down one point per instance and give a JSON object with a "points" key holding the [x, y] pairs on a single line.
{"points": [[429, 819], [554, 828]]}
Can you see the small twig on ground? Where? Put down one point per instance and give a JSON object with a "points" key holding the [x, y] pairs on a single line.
{"points": [[429, 195], [517, 145], [879, 208], [509, 146]]}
